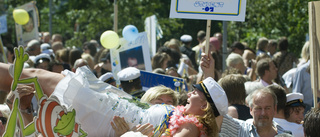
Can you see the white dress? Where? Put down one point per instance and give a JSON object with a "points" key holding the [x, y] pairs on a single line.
{"points": [[96, 103]]}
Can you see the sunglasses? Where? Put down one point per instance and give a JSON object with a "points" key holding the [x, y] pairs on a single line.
{"points": [[4, 120]]}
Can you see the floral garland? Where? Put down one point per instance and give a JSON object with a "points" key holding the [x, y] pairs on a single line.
{"points": [[178, 118]]}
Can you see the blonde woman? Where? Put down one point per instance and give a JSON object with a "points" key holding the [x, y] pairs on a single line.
{"points": [[159, 95], [206, 103], [196, 119]]}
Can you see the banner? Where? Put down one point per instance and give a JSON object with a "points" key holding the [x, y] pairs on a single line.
{"points": [[227, 10], [131, 54], [149, 80], [3, 57], [154, 32], [29, 31], [3, 24]]}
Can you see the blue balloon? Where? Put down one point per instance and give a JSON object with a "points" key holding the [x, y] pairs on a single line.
{"points": [[130, 32]]}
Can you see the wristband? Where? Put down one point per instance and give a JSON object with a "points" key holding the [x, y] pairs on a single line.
{"points": [[27, 111], [9, 102]]}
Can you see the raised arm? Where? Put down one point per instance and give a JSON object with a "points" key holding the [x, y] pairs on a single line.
{"points": [[207, 65]]}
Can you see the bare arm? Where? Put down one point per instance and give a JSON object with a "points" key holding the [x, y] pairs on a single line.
{"points": [[5, 78], [26, 93], [232, 111], [207, 65], [48, 80]]}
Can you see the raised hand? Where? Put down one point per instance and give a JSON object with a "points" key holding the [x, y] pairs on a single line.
{"points": [[207, 65], [25, 93], [119, 126], [145, 129]]}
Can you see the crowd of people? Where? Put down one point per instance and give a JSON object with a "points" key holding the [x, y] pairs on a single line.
{"points": [[263, 92]]}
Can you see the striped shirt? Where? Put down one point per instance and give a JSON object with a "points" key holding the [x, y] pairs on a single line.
{"points": [[233, 127]]}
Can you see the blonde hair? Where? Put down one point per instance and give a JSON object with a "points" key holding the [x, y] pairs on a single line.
{"points": [[174, 44], [209, 121], [89, 59], [233, 59], [157, 91], [305, 54]]}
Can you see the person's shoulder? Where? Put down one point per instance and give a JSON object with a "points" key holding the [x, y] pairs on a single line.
{"points": [[138, 93], [303, 67], [188, 129], [195, 48], [232, 111], [277, 54], [280, 129], [279, 120], [230, 126]]}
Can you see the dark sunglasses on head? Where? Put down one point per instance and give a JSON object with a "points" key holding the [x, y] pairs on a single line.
{"points": [[4, 120]]}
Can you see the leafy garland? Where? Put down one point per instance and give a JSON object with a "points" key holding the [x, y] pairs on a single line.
{"points": [[137, 102]]}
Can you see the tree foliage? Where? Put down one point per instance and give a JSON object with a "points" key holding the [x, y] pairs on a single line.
{"points": [[273, 19], [80, 21]]}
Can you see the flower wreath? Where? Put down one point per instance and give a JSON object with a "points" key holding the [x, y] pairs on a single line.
{"points": [[178, 118]]}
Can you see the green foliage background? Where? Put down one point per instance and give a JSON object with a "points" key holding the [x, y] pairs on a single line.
{"points": [[82, 20]]}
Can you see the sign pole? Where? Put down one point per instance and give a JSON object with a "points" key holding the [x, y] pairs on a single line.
{"points": [[4, 56], [224, 45], [50, 17], [115, 18], [208, 37]]}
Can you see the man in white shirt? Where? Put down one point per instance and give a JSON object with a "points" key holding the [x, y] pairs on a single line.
{"points": [[296, 129]]}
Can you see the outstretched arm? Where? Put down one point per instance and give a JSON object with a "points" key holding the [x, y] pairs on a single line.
{"points": [[48, 80]]}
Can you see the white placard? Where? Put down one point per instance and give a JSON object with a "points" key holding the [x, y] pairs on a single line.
{"points": [[131, 54], [154, 32], [29, 31], [227, 10], [3, 24]]}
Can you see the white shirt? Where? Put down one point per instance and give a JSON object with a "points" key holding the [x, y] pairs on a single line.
{"points": [[296, 129]]}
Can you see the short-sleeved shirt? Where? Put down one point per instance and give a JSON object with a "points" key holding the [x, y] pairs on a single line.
{"points": [[302, 84], [233, 127], [296, 129]]}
